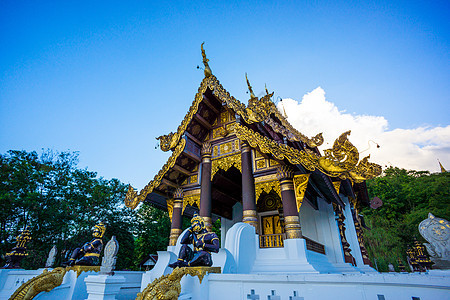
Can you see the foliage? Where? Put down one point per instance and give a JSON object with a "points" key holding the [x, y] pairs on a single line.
{"points": [[154, 231], [408, 197], [216, 226], [60, 204]]}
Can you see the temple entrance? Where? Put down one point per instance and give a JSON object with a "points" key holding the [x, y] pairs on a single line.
{"points": [[270, 216], [272, 231], [226, 191]]}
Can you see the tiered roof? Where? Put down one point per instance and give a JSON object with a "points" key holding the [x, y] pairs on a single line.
{"points": [[264, 128]]}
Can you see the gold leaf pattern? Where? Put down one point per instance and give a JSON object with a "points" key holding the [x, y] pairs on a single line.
{"points": [[193, 199], [300, 185], [267, 186], [340, 161], [170, 208], [260, 164], [337, 186], [225, 162]]}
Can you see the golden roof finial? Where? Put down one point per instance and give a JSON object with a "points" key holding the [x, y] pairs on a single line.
{"points": [[252, 95], [443, 170], [267, 91], [208, 71]]}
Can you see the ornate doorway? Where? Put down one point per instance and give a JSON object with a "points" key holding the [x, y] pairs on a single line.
{"points": [[270, 217]]}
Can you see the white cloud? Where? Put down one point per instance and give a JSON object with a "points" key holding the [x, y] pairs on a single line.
{"points": [[415, 149]]}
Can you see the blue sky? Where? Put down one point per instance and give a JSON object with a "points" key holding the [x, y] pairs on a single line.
{"points": [[106, 78]]}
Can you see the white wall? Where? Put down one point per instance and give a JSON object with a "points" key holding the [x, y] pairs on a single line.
{"points": [[226, 224], [328, 232], [329, 286], [308, 220]]}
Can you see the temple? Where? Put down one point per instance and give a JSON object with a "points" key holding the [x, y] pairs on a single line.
{"points": [[248, 164], [290, 227]]}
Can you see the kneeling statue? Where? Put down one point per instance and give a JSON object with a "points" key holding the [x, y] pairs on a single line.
{"points": [[203, 242], [89, 254], [14, 257]]}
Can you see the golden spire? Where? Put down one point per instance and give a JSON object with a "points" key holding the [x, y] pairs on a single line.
{"points": [[208, 71], [267, 92], [443, 170], [252, 95]]}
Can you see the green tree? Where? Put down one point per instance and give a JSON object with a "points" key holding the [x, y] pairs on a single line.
{"points": [[408, 197], [153, 231], [60, 204]]}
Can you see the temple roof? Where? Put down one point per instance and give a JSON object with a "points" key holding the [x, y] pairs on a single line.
{"points": [[265, 129], [258, 110]]}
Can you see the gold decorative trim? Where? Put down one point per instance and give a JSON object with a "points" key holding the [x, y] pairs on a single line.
{"points": [[279, 151], [170, 203], [285, 172], [287, 185], [206, 149], [340, 161], [47, 281], [225, 162], [81, 269], [292, 227], [265, 178], [292, 134], [267, 186], [178, 203], [169, 287], [173, 237], [178, 194], [250, 217], [337, 186], [192, 199], [132, 199], [300, 185], [258, 110]]}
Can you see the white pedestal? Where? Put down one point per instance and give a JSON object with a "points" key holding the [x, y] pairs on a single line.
{"points": [[103, 287]]}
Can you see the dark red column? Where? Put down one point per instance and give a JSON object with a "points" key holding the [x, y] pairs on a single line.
{"points": [[285, 175], [175, 229], [248, 187], [206, 186]]}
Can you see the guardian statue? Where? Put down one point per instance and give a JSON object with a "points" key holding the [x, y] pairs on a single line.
{"points": [[89, 254], [203, 243]]}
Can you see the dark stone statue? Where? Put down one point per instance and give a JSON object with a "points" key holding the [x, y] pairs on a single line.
{"points": [[203, 242], [89, 254], [14, 257]]}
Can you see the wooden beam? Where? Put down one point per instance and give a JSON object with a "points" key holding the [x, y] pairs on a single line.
{"points": [[210, 105], [222, 210], [202, 121], [192, 156], [227, 195], [229, 182], [193, 138], [181, 170], [169, 183]]}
